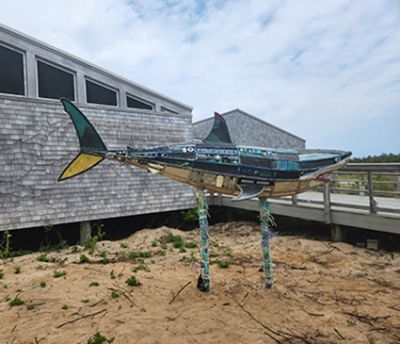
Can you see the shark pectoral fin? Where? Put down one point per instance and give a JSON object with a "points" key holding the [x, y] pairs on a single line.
{"points": [[248, 191]]}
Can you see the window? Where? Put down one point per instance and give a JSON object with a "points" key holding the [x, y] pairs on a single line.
{"points": [[137, 104], [54, 82], [11, 71], [98, 94], [167, 110]]}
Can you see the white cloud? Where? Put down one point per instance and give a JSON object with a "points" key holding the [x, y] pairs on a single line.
{"points": [[322, 69]]}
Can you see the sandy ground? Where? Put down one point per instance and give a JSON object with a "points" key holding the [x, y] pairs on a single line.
{"points": [[323, 293]]}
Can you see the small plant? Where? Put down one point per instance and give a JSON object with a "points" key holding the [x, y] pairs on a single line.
{"points": [[190, 244], [17, 270], [182, 250], [112, 274], [92, 244], [223, 264], [43, 258], [42, 284], [139, 254], [48, 228], [132, 282], [141, 267], [154, 243], [30, 307], [94, 284], [123, 245], [83, 259], [75, 249], [16, 302], [190, 215], [163, 253], [1, 274], [229, 252], [175, 240], [5, 245], [192, 258], [7, 298], [85, 301], [104, 259], [98, 338], [115, 294], [64, 307], [58, 274]]}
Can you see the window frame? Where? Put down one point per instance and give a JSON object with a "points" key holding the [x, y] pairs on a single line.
{"points": [[153, 106], [99, 83], [24, 68], [60, 67]]}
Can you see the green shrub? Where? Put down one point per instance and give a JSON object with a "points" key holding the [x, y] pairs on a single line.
{"points": [[141, 267], [58, 274], [98, 338], [1, 274], [190, 244], [139, 254], [64, 307], [132, 282], [17, 270], [16, 302], [115, 294], [42, 284], [85, 301], [123, 245], [94, 284], [43, 258], [154, 243], [83, 259], [30, 307]]}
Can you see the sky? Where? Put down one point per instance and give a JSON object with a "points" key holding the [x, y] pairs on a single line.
{"points": [[327, 71]]}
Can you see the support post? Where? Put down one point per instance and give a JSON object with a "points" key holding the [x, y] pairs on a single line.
{"points": [[265, 220], [203, 282], [372, 202], [337, 233], [327, 203], [85, 232]]}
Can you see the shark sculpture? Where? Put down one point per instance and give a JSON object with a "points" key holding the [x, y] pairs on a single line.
{"points": [[216, 165]]}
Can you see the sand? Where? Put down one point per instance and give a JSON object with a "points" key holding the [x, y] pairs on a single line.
{"points": [[323, 292]]}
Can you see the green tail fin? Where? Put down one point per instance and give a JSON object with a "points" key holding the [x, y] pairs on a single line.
{"points": [[92, 146]]}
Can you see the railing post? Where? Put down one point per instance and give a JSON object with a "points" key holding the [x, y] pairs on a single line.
{"points": [[361, 185], [372, 202], [294, 199], [327, 203]]}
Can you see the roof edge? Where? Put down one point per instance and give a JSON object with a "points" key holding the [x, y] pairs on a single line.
{"points": [[253, 117], [49, 47]]}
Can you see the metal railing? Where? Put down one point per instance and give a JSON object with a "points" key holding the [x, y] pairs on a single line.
{"points": [[363, 179]]}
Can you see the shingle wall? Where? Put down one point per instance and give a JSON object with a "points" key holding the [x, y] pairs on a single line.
{"points": [[37, 140], [247, 130]]}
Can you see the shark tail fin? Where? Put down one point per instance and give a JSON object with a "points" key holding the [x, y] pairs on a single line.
{"points": [[93, 149]]}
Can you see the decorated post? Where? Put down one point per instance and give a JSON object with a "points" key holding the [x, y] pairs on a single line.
{"points": [[266, 234], [203, 282]]}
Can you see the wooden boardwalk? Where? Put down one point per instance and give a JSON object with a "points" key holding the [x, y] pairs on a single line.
{"points": [[346, 210]]}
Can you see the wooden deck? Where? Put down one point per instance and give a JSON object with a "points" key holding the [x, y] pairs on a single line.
{"points": [[346, 210]]}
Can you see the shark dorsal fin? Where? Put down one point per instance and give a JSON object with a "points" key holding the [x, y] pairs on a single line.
{"points": [[219, 132]]}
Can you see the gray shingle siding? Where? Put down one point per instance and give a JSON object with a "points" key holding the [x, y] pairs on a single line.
{"points": [[248, 130], [37, 140]]}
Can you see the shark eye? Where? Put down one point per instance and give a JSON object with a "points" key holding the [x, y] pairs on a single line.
{"points": [[190, 149], [184, 149]]}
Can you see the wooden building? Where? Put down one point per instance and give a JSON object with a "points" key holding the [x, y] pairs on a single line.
{"points": [[248, 130], [37, 139]]}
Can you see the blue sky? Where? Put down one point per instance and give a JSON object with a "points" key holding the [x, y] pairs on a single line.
{"points": [[328, 71]]}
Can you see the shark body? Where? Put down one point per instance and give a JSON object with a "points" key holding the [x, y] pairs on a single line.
{"points": [[216, 165]]}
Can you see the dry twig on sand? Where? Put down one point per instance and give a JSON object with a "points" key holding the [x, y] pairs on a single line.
{"points": [[81, 317], [179, 291]]}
